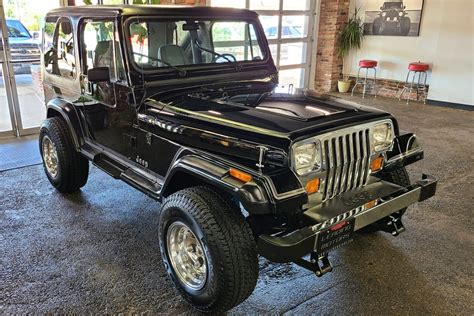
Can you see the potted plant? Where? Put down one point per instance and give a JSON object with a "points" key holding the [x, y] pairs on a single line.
{"points": [[351, 37]]}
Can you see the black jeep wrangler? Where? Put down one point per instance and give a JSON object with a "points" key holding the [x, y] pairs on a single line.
{"points": [[392, 19], [178, 103]]}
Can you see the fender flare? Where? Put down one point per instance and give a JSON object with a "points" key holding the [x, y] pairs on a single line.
{"points": [[68, 112], [215, 172]]}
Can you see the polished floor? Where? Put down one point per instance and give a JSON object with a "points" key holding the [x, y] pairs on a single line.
{"points": [[96, 251]]}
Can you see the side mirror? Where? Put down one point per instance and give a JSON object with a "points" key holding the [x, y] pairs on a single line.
{"points": [[98, 74], [36, 35]]}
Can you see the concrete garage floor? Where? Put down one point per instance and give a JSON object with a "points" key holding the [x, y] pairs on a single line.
{"points": [[96, 251]]}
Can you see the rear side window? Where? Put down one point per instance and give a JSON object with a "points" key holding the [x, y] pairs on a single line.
{"points": [[48, 43], [66, 49], [101, 48], [59, 48]]}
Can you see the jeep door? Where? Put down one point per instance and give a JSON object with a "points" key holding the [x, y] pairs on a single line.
{"points": [[61, 78], [108, 115]]}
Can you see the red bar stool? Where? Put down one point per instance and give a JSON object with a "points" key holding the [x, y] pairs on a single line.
{"points": [[367, 65], [414, 69]]}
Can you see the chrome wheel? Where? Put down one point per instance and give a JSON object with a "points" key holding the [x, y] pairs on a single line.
{"points": [[186, 255], [50, 156]]}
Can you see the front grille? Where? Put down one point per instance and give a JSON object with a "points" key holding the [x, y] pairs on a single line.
{"points": [[347, 159]]}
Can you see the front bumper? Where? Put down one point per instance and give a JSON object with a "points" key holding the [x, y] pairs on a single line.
{"points": [[367, 205]]}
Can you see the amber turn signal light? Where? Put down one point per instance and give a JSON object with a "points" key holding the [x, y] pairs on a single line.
{"points": [[312, 185], [240, 175], [376, 164], [370, 204]]}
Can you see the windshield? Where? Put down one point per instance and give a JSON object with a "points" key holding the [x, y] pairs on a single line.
{"points": [[170, 43], [16, 29]]}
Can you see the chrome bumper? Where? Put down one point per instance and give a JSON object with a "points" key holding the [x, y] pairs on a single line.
{"points": [[374, 202]]}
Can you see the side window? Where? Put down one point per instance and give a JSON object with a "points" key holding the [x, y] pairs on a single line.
{"points": [[101, 48], [65, 50], [48, 44]]}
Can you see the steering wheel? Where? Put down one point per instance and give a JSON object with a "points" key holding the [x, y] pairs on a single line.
{"points": [[222, 58]]}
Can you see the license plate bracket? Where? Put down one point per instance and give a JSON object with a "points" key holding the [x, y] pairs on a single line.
{"points": [[334, 237]]}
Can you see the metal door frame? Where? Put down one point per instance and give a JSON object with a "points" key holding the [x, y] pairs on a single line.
{"points": [[10, 84]]}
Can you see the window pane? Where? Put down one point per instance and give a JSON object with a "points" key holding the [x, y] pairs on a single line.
{"points": [[158, 43], [273, 50], [112, 1], [65, 57], [294, 26], [30, 96], [293, 53], [270, 25], [296, 4], [264, 4], [240, 4], [237, 39], [99, 48], [5, 122], [48, 44], [289, 77]]}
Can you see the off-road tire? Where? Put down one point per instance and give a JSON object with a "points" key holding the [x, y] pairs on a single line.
{"points": [[405, 25], [227, 241], [377, 26], [398, 176], [73, 168]]}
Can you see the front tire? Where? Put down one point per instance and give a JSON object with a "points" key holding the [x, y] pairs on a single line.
{"points": [[65, 168], [208, 249]]}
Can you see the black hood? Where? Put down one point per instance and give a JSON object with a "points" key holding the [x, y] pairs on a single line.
{"points": [[277, 121]]}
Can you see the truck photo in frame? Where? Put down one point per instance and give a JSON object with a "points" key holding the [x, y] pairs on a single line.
{"points": [[393, 18]]}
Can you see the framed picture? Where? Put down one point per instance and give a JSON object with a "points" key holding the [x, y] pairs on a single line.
{"points": [[393, 17]]}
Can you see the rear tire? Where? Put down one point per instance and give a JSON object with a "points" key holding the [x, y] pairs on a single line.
{"points": [[220, 239], [65, 168]]}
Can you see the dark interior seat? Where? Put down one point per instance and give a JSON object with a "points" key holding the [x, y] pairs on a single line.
{"points": [[172, 54], [103, 56]]}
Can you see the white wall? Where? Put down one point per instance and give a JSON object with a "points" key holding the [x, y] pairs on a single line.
{"points": [[446, 42]]}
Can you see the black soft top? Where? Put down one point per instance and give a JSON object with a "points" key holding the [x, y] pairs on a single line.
{"points": [[144, 10]]}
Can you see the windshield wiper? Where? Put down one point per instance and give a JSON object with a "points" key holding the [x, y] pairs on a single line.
{"points": [[198, 45], [182, 72]]}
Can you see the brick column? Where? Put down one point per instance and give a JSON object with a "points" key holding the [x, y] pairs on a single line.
{"points": [[333, 14]]}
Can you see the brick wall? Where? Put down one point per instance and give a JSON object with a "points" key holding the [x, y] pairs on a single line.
{"points": [[333, 15], [389, 88]]}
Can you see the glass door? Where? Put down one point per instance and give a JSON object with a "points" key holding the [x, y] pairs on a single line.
{"points": [[22, 81], [8, 126]]}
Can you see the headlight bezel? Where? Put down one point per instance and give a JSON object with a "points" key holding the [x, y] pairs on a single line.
{"points": [[315, 163], [385, 145]]}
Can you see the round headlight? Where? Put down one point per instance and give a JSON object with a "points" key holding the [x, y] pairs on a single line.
{"points": [[306, 157], [384, 13], [382, 136], [400, 13]]}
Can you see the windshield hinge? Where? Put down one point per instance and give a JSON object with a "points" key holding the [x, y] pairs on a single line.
{"points": [[261, 156]]}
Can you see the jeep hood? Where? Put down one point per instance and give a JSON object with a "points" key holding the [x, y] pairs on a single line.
{"points": [[276, 121]]}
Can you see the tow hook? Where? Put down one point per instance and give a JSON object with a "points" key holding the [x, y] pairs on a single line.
{"points": [[320, 265], [394, 225]]}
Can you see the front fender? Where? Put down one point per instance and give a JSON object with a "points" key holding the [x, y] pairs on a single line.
{"points": [[60, 107], [192, 167], [406, 150]]}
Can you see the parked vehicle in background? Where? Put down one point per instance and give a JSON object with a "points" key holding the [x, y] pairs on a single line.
{"points": [[178, 102], [392, 19], [24, 47], [287, 31]]}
